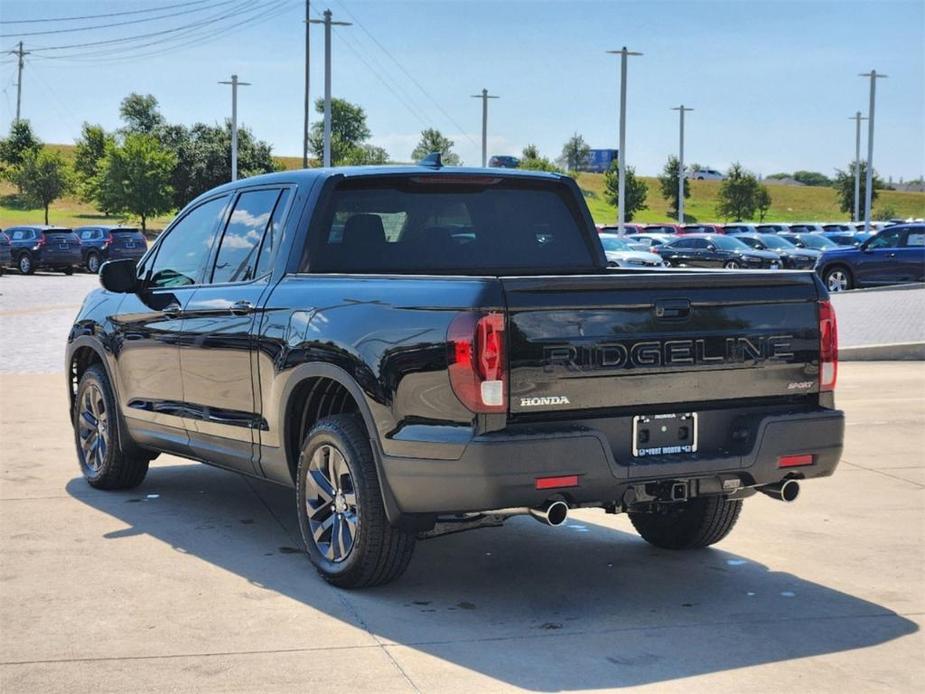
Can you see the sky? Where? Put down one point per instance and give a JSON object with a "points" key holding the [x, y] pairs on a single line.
{"points": [[773, 83]]}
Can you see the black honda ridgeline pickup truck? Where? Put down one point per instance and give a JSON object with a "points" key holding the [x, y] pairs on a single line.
{"points": [[419, 350]]}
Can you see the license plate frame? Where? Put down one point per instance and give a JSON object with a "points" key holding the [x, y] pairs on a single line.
{"points": [[661, 434]]}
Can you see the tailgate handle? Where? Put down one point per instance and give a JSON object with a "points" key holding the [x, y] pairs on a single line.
{"points": [[672, 309]]}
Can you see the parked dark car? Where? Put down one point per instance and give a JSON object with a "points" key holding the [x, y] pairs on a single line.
{"points": [[702, 229], [791, 256], [504, 161], [6, 256], [776, 228], [101, 243], [661, 229], [814, 242], [44, 247], [838, 226], [805, 228], [895, 255], [716, 250], [426, 350], [850, 238]]}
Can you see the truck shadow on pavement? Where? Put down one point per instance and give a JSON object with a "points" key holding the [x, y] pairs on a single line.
{"points": [[579, 607]]}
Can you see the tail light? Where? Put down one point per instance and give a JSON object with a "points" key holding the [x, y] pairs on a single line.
{"points": [[108, 242], [828, 346], [40, 243], [477, 370]]}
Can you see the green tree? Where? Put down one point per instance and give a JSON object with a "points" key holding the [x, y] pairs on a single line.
{"points": [[348, 130], [139, 111], [43, 177], [812, 178], [135, 178], [885, 213], [15, 147], [738, 194], [844, 187], [89, 150], [366, 155], [575, 153], [636, 190], [433, 140], [668, 184], [203, 154], [763, 201], [533, 161]]}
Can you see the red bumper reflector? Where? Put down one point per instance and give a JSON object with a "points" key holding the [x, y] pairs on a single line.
{"points": [[794, 460], [556, 482]]}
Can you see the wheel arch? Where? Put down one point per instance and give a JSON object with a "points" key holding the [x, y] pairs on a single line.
{"points": [[317, 390]]}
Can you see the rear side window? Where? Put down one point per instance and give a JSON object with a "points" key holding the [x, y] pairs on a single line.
{"points": [[237, 254], [461, 225], [183, 253], [21, 235], [916, 238]]}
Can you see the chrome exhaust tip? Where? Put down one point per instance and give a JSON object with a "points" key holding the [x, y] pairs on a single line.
{"points": [[553, 513], [788, 490]]}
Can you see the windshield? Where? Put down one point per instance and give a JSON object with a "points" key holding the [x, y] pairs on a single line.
{"points": [[819, 243], [614, 243], [727, 243], [452, 224], [777, 243]]}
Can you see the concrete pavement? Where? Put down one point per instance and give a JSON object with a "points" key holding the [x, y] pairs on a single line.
{"points": [[194, 581]]}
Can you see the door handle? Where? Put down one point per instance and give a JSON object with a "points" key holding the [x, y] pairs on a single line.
{"points": [[172, 310], [241, 308]]}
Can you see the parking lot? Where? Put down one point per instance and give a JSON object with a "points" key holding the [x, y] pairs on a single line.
{"points": [[194, 581]]}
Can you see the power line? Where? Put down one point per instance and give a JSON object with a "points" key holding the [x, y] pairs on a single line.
{"points": [[192, 37], [118, 24], [100, 16], [124, 39], [408, 75]]}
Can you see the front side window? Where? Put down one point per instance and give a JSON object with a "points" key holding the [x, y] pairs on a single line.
{"points": [[183, 253], [889, 238], [237, 254], [272, 236]]}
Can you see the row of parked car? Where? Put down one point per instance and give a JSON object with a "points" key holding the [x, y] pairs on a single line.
{"points": [[843, 256], [33, 247]]}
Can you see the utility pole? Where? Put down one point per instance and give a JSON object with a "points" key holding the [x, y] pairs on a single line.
{"points": [[869, 183], [307, 100], [484, 96], [621, 207], [234, 123], [857, 118], [681, 110], [19, 53], [328, 23]]}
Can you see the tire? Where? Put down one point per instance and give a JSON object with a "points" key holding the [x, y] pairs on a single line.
{"points": [[24, 263], [838, 279], [692, 524], [731, 265], [105, 461], [338, 447], [93, 263]]}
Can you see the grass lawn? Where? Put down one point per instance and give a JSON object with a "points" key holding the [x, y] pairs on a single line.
{"points": [[790, 203]]}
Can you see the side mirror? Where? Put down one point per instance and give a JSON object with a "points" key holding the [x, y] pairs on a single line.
{"points": [[119, 276], [711, 247]]}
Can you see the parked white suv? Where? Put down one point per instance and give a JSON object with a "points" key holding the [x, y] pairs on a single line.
{"points": [[706, 175]]}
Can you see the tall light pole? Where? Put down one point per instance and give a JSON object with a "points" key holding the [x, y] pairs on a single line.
{"points": [[484, 96], [869, 183], [19, 53], [328, 23], [857, 118], [681, 110], [621, 213], [234, 123], [307, 100]]}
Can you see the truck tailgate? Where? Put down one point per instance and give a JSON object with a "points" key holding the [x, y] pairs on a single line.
{"points": [[653, 340]]}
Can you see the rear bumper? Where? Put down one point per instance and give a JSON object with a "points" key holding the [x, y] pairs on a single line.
{"points": [[499, 470]]}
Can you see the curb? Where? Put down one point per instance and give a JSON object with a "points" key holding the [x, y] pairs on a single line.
{"points": [[894, 351]]}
